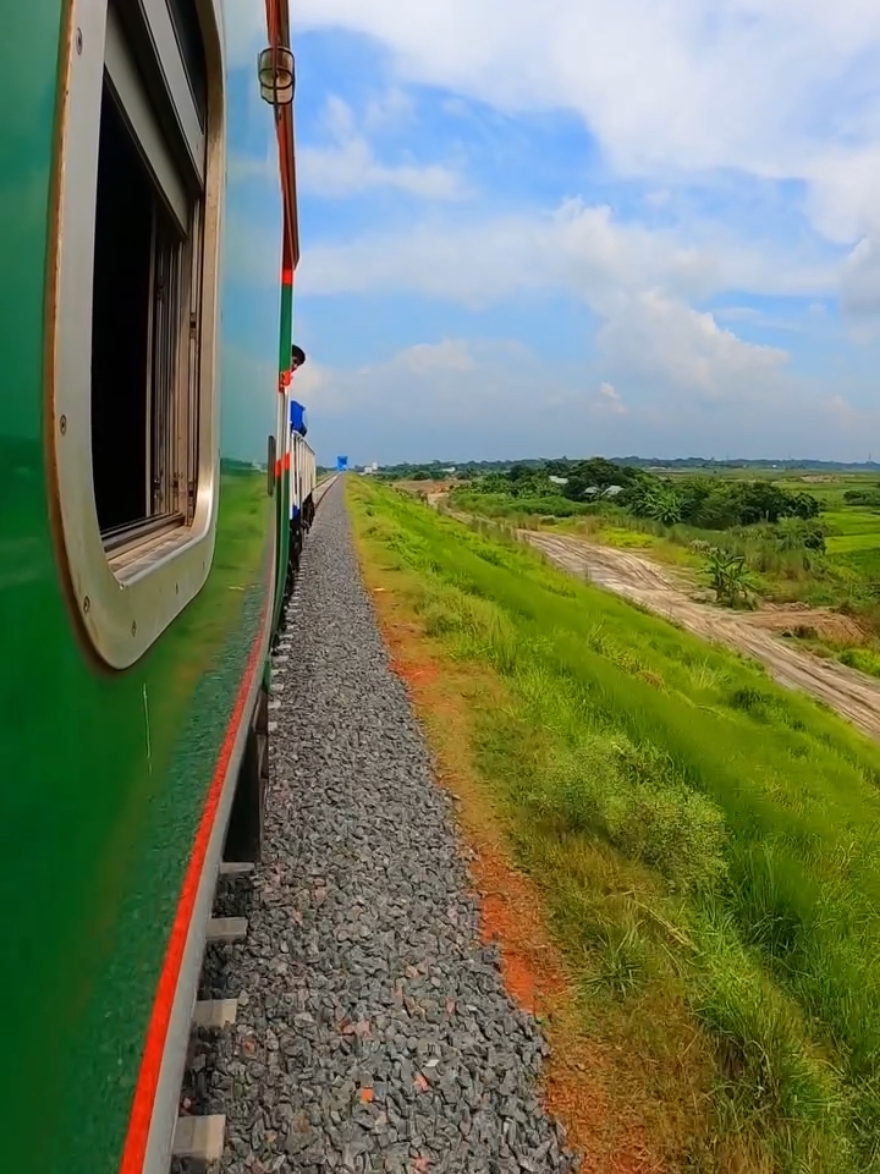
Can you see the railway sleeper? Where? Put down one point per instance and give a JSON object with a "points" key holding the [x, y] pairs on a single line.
{"points": [[215, 1014], [200, 1139]]}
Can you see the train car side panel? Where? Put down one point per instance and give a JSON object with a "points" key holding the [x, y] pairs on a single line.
{"points": [[107, 774]]}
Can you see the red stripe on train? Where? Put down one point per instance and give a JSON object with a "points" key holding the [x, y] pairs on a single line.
{"points": [[137, 1136]]}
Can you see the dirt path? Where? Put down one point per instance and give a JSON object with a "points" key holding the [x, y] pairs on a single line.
{"points": [[852, 694]]}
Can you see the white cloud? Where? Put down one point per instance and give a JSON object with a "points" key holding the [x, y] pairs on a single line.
{"points": [[846, 424], [448, 357], [839, 407], [456, 398], [461, 399], [661, 338], [860, 280], [844, 197], [637, 283], [576, 249], [672, 87], [348, 164], [608, 400], [424, 381], [351, 167]]}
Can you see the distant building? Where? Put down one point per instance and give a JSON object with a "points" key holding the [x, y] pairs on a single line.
{"points": [[611, 491], [558, 480]]}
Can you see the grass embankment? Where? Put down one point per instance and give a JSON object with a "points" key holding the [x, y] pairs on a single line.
{"points": [[706, 846]]}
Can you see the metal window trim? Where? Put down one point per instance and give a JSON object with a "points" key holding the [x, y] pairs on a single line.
{"points": [[167, 49], [134, 102], [120, 616]]}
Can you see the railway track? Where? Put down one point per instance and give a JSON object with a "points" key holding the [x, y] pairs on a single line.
{"points": [[199, 1138]]}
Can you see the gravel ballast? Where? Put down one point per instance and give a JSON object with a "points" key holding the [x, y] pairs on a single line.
{"points": [[374, 1032]]}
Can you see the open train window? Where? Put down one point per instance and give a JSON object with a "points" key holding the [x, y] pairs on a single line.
{"points": [[145, 315], [135, 314]]}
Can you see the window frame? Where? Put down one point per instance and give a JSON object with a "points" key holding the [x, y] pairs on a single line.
{"points": [[134, 101], [125, 597]]}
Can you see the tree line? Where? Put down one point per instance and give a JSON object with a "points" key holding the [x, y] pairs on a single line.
{"points": [[708, 503]]}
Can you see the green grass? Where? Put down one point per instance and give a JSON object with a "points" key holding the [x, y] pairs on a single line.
{"points": [[751, 816], [851, 529]]}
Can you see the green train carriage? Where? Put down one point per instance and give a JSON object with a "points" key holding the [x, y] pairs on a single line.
{"points": [[147, 286]]}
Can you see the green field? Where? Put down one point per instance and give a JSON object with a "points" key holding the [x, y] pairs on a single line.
{"points": [[851, 529], [704, 839], [837, 567], [852, 542]]}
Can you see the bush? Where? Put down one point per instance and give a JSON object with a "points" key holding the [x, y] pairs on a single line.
{"points": [[729, 578], [633, 799], [864, 497]]}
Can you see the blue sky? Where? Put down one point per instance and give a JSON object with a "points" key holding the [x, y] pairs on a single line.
{"points": [[616, 226]]}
